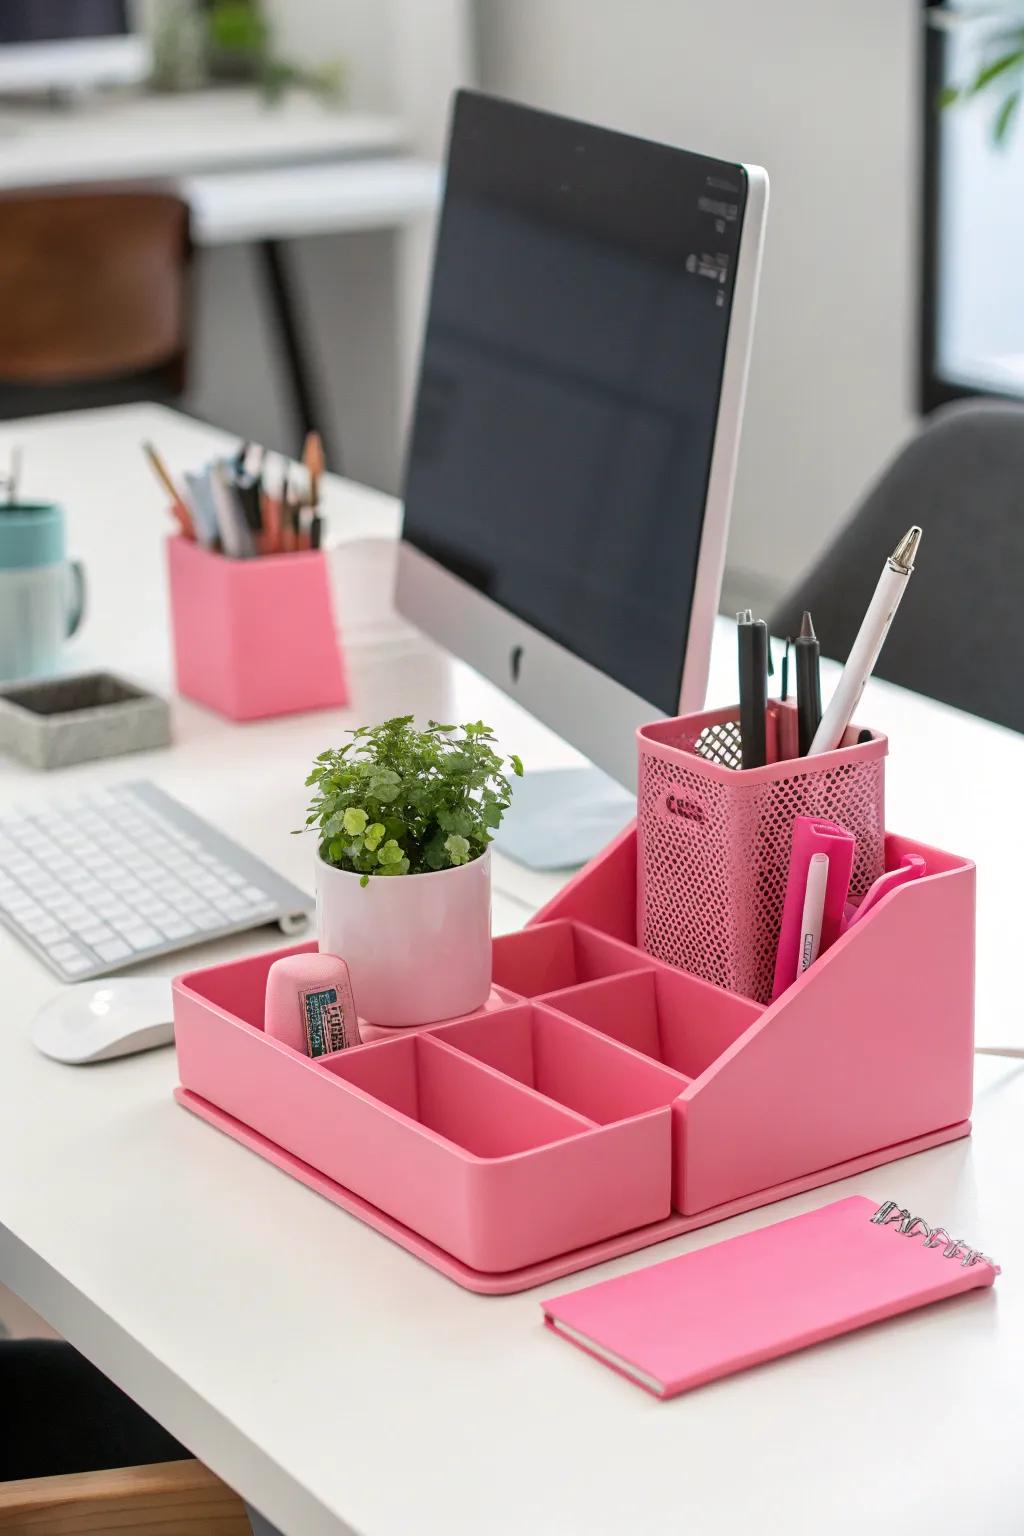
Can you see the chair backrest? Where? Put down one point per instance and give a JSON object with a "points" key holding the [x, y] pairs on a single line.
{"points": [[957, 637], [93, 285]]}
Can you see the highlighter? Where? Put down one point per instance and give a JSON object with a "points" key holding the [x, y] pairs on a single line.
{"points": [[811, 835], [309, 1004]]}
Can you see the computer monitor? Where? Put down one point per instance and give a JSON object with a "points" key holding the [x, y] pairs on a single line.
{"points": [[576, 426], [68, 46]]}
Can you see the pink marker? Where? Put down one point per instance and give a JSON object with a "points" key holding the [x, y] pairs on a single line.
{"points": [[911, 866]]}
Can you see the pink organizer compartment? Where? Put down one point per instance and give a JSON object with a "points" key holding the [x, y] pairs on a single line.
{"points": [[254, 638], [679, 1021], [517, 1178], [545, 957], [714, 842], [492, 1173], [869, 1051], [572, 1065]]}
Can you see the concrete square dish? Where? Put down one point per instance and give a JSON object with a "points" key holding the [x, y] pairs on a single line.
{"points": [[67, 720]]}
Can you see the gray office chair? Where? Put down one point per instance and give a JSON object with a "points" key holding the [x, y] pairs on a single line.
{"points": [[958, 636]]}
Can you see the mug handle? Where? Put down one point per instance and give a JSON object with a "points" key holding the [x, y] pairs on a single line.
{"points": [[76, 606]]}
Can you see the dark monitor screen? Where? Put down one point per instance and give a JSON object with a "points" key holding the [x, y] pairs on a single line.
{"points": [[53, 21], [568, 397]]}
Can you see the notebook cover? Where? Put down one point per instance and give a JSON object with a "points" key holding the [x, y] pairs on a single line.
{"points": [[735, 1304]]}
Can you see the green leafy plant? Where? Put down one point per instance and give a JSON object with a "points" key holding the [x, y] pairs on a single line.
{"points": [[199, 40], [398, 801], [999, 73]]}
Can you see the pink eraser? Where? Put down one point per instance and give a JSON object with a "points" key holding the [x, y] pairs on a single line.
{"points": [[813, 835], [310, 1005]]}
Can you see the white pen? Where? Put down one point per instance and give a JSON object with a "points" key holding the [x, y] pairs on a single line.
{"points": [[814, 909], [892, 584]]}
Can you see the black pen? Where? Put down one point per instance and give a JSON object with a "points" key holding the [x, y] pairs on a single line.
{"points": [[808, 684], [752, 639]]}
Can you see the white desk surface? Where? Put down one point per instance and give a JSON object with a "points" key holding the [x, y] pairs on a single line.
{"points": [[339, 1384], [118, 137]]}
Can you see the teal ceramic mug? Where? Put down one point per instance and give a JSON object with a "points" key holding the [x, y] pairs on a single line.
{"points": [[42, 593]]}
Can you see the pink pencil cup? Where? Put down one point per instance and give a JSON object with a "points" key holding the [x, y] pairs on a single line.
{"points": [[254, 638], [713, 841]]}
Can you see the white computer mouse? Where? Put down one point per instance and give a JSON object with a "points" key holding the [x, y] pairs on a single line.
{"points": [[96, 1020]]}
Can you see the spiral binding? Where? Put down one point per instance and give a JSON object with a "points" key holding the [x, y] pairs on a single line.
{"points": [[891, 1214]]}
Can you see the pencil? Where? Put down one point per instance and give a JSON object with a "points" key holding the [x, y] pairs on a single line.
{"points": [[313, 459], [179, 508]]}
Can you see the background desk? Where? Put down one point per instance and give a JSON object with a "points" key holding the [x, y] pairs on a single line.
{"points": [[334, 1381], [252, 173]]}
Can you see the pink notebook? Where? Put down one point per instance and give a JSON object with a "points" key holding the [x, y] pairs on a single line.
{"points": [[722, 1308]]}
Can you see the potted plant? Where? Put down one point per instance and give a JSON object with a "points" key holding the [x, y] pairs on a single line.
{"points": [[405, 819]]}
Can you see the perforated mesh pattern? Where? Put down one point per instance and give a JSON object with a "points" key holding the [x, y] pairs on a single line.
{"points": [[722, 743], [714, 856]]}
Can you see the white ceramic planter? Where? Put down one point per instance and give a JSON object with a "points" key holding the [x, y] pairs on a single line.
{"points": [[418, 947]]}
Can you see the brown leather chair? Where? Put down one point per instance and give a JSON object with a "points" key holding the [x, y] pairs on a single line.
{"points": [[93, 298]]}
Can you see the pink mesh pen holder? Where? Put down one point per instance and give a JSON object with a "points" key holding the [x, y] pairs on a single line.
{"points": [[713, 841]]}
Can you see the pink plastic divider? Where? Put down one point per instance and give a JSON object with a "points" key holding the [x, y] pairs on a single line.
{"points": [[545, 957], [677, 1019], [446, 1093], [567, 1063]]}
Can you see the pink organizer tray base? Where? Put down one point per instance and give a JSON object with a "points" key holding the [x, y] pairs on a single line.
{"points": [[605, 1100], [566, 1263]]}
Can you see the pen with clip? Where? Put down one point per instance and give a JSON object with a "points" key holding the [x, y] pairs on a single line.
{"points": [[752, 640], [808, 683], [892, 584]]}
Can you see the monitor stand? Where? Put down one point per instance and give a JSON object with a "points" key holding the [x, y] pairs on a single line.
{"points": [[561, 817]]}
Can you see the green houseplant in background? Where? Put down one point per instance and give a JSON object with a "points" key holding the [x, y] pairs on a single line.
{"points": [[201, 41], [998, 75], [404, 820]]}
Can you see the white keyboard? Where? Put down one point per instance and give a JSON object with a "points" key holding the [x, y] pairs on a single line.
{"points": [[124, 874]]}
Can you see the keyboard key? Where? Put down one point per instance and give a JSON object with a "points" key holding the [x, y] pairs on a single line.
{"points": [[49, 933], [80, 924], [63, 953], [113, 949], [253, 894], [76, 967], [206, 918], [142, 936], [175, 927], [95, 933]]}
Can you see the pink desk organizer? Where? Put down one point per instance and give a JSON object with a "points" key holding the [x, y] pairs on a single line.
{"points": [[254, 638], [714, 841], [609, 1101]]}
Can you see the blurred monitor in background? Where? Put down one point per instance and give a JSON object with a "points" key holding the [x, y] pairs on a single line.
{"points": [[68, 46]]}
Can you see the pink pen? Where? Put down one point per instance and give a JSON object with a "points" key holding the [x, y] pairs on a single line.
{"points": [[911, 866]]}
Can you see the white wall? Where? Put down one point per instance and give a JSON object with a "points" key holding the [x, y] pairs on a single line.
{"points": [[823, 93]]}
